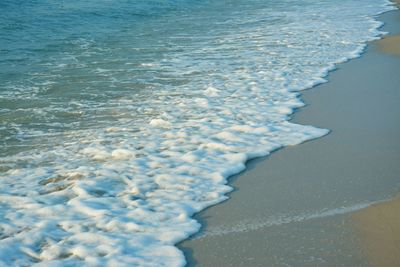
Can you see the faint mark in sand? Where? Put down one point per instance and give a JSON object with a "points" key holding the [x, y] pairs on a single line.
{"points": [[255, 224]]}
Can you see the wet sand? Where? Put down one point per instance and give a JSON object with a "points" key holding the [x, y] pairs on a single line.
{"points": [[296, 207], [378, 226]]}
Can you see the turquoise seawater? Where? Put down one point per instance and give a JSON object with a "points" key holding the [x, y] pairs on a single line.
{"points": [[120, 119], [65, 64]]}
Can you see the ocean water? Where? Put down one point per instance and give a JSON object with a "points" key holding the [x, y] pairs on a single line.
{"points": [[121, 119]]}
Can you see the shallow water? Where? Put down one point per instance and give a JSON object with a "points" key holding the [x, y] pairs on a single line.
{"points": [[119, 120]]}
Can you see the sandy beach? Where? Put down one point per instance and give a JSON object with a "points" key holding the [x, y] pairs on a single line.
{"points": [[378, 226], [313, 204], [379, 229], [390, 45]]}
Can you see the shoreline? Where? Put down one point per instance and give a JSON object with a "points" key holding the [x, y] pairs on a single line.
{"points": [[242, 220]]}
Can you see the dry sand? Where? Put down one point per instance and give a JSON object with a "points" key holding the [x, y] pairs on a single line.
{"points": [[379, 229], [390, 45], [293, 209]]}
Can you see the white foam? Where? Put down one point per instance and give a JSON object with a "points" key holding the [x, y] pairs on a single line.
{"points": [[122, 192], [160, 123]]}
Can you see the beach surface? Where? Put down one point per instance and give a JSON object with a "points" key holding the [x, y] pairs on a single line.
{"points": [[379, 229], [390, 45], [313, 204]]}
